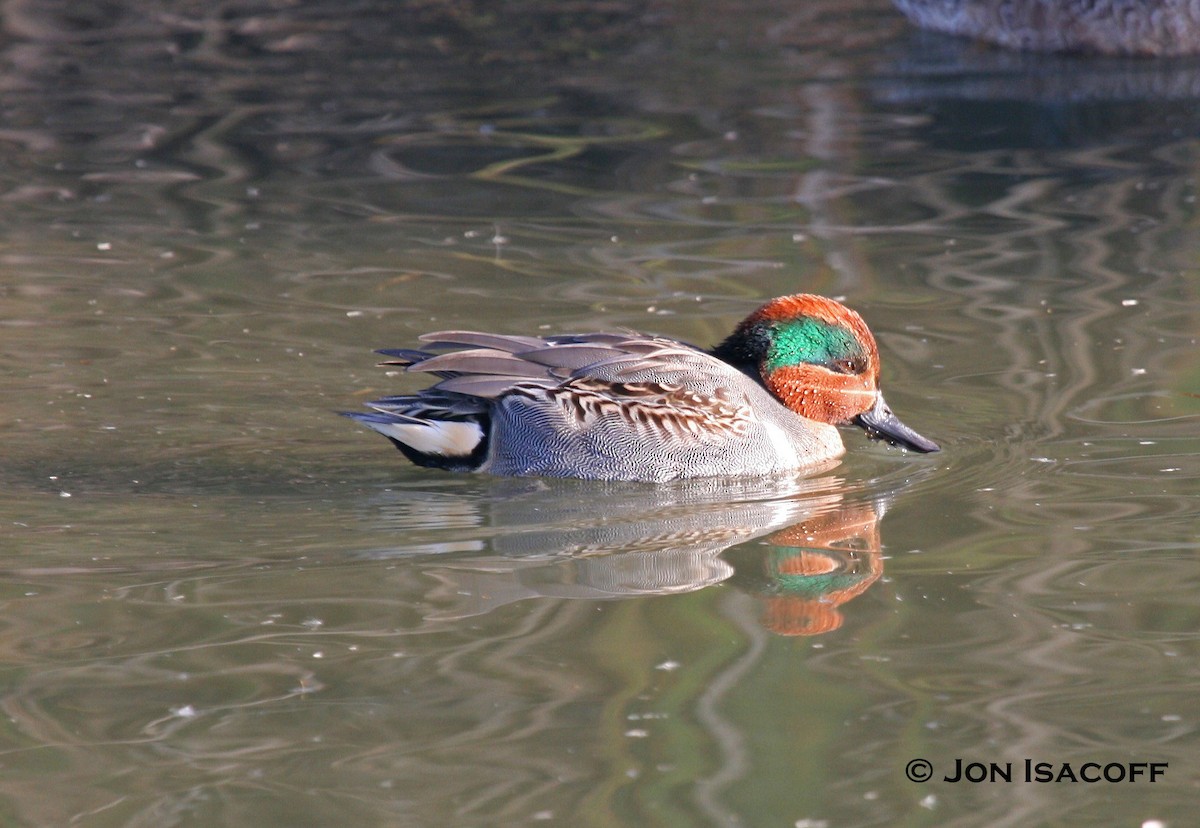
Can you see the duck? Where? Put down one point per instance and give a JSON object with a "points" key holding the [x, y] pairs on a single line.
{"points": [[766, 401], [1148, 28]]}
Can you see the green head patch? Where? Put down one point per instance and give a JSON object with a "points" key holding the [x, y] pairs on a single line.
{"points": [[812, 341]]}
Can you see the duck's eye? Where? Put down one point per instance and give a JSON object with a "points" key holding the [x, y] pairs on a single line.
{"points": [[849, 365]]}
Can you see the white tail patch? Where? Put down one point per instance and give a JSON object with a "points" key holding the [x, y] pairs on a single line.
{"points": [[443, 437]]}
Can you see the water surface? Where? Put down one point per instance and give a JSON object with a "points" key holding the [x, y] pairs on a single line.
{"points": [[225, 605]]}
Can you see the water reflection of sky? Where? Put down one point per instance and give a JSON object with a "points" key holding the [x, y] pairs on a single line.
{"points": [[219, 597]]}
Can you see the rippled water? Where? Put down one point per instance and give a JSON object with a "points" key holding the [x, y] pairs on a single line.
{"points": [[222, 604]]}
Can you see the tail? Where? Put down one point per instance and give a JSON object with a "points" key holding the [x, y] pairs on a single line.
{"points": [[447, 427], [454, 444]]}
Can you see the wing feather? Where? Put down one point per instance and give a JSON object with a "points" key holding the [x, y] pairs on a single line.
{"points": [[478, 339]]}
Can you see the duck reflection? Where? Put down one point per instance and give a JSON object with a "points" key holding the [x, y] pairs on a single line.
{"points": [[812, 568], [805, 549]]}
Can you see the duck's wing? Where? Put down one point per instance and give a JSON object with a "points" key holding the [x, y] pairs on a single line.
{"points": [[568, 396], [650, 382]]}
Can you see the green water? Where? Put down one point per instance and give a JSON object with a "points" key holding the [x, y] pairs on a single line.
{"points": [[224, 605]]}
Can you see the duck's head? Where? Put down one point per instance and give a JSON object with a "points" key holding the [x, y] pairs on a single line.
{"points": [[820, 359]]}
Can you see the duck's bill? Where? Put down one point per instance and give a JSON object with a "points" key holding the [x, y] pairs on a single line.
{"points": [[882, 424]]}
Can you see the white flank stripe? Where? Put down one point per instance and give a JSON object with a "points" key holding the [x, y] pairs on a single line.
{"points": [[783, 446]]}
